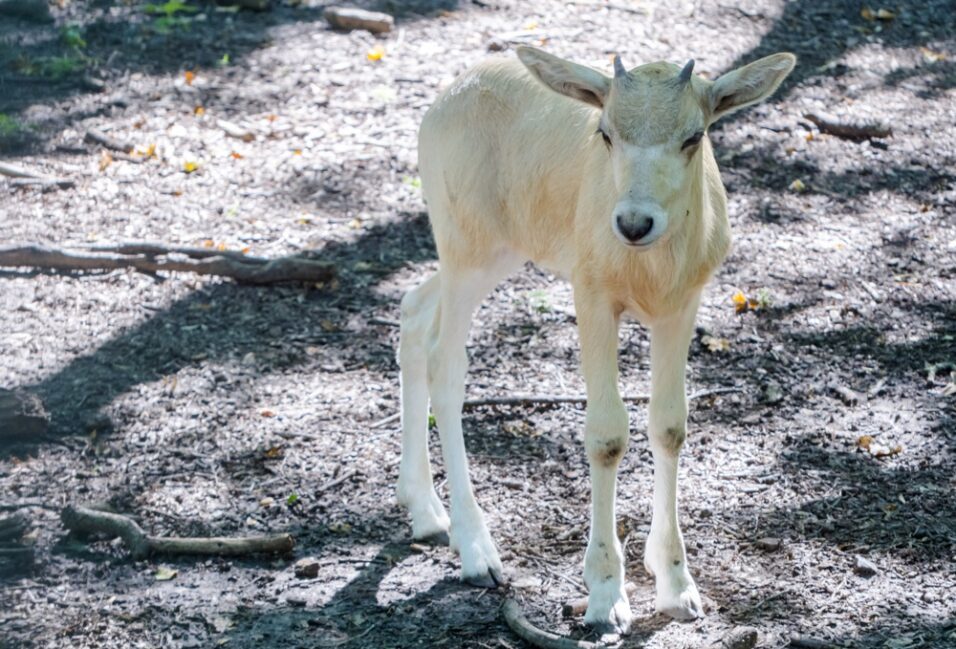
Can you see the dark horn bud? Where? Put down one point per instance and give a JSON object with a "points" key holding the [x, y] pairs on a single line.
{"points": [[619, 71], [685, 73]]}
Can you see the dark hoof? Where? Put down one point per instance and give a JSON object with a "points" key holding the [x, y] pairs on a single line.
{"points": [[607, 632], [491, 579], [439, 538]]}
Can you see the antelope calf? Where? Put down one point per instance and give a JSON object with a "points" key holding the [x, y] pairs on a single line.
{"points": [[607, 181]]}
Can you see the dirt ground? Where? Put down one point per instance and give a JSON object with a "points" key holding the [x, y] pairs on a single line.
{"points": [[199, 406]]}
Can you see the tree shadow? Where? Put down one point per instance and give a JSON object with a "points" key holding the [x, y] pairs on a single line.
{"points": [[97, 44], [818, 33], [222, 323]]}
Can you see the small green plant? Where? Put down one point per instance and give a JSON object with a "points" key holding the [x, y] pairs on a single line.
{"points": [[431, 420], [412, 181], [292, 499], [168, 15], [538, 299], [9, 126], [51, 67], [225, 60], [72, 37], [764, 299]]}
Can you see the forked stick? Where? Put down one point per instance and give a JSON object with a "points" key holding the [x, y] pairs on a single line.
{"points": [[142, 545]]}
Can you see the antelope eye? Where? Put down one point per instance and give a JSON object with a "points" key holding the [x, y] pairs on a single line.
{"points": [[693, 140], [605, 137]]}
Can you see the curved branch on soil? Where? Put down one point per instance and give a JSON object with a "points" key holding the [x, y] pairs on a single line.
{"points": [[518, 623], [141, 545], [252, 270]]}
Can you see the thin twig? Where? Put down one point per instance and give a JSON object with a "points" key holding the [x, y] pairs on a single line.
{"points": [[550, 399], [107, 141], [331, 484]]}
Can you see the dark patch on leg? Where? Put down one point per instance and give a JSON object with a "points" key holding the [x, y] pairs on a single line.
{"points": [[612, 453], [673, 439]]}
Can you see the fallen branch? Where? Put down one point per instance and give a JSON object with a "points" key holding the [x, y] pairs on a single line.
{"points": [[518, 623], [349, 18], [25, 177], [142, 545], [849, 131], [247, 270], [43, 183], [107, 141], [580, 605]]}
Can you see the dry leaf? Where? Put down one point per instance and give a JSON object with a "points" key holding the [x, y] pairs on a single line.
{"points": [[208, 243], [237, 155], [740, 301], [864, 442], [267, 413], [190, 77], [106, 159], [296, 151], [867, 14], [189, 166], [199, 111], [885, 14], [931, 56], [274, 452], [376, 53], [165, 574], [715, 345], [149, 151], [531, 25]]}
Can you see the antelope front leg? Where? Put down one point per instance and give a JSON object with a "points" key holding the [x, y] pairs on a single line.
{"points": [[664, 555], [605, 440]]}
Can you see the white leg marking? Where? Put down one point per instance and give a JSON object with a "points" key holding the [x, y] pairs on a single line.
{"points": [[664, 555], [415, 488], [461, 292], [605, 440]]}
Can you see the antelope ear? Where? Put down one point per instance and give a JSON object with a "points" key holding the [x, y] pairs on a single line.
{"points": [[750, 84], [570, 79]]}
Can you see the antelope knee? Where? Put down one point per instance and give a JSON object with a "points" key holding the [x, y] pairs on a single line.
{"points": [[669, 439], [606, 436]]}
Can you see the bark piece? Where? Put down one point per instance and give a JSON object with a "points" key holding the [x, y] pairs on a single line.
{"points": [[854, 132], [248, 270], [349, 18], [307, 568], [864, 567], [768, 544], [741, 637], [22, 415], [142, 545]]}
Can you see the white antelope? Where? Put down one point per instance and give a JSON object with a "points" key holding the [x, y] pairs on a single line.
{"points": [[612, 183]]}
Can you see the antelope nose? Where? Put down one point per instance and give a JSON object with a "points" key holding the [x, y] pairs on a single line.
{"points": [[634, 227]]}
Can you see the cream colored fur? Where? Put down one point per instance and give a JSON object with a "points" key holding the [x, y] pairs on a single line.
{"points": [[513, 169]]}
